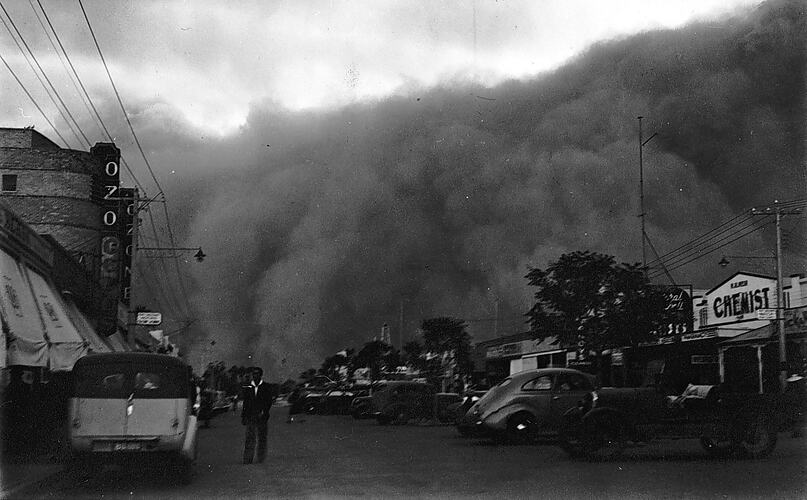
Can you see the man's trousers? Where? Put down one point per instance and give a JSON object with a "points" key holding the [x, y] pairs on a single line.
{"points": [[256, 432]]}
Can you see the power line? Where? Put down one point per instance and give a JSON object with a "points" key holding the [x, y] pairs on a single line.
{"points": [[55, 92], [74, 75], [702, 252], [33, 100], [120, 102], [140, 148], [97, 115]]}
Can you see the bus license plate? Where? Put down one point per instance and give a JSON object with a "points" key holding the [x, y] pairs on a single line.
{"points": [[126, 447]]}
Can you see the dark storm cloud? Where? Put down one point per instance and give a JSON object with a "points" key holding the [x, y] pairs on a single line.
{"points": [[320, 227]]}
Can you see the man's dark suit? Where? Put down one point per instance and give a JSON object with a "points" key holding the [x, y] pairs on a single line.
{"points": [[255, 415]]}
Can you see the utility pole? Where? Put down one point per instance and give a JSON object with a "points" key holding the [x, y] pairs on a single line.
{"points": [[780, 306], [641, 197], [132, 315], [400, 328], [641, 194]]}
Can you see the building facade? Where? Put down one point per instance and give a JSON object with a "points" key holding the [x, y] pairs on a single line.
{"points": [[726, 340], [75, 198]]}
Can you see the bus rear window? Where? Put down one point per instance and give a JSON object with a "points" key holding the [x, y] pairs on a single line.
{"points": [[110, 381]]}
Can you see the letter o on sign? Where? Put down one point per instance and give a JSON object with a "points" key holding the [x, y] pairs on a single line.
{"points": [[110, 218], [111, 169]]}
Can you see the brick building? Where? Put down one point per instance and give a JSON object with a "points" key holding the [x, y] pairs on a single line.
{"points": [[51, 189], [75, 198]]}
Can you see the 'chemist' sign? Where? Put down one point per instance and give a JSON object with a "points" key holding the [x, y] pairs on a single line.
{"points": [[740, 297]]}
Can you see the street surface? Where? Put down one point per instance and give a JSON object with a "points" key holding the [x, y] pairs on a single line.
{"points": [[336, 456]]}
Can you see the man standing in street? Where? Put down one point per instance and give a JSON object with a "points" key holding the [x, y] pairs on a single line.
{"points": [[257, 400]]}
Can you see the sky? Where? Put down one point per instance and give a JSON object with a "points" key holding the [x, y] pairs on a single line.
{"points": [[208, 63], [350, 164]]}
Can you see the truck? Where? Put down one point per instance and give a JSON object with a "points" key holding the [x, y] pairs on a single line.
{"points": [[726, 423]]}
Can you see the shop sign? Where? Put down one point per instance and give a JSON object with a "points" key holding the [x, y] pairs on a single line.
{"points": [[740, 298], [766, 313], [505, 350], [679, 307], [660, 341], [699, 335], [617, 358], [703, 359], [149, 318]]}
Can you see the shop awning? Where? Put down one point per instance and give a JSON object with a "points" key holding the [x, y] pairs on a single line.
{"points": [[765, 334], [65, 344], [84, 328], [22, 325]]}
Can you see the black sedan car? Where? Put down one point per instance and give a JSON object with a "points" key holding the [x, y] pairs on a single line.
{"points": [[528, 405]]}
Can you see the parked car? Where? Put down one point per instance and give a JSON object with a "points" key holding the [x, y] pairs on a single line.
{"points": [[460, 408], [527, 406], [400, 401], [304, 401], [334, 402], [724, 422], [361, 407], [446, 406]]}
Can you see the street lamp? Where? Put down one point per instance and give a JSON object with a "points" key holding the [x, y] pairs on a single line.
{"points": [[199, 255]]}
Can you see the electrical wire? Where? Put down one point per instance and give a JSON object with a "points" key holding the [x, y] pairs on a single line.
{"points": [[139, 147], [36, 104], [63, 56], [117, 95], [50, 84]]}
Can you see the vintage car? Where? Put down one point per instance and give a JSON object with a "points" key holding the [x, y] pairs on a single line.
{"points": [[132, 407], [334, 402], [361, 407], [398, 402], [610, 418], [526, 406], [460, 408]]}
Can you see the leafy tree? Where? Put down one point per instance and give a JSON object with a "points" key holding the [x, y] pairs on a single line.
{"points": [[371, 356], [586, 298], [413, 355], [333, 365], [447, 338], [392, 359]]}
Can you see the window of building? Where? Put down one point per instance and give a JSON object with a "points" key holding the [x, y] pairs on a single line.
{"points": [[9, 182], [703, 316], [786, 299]]}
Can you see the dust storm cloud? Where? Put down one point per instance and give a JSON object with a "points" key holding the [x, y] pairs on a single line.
{"points": [[321, 227]]}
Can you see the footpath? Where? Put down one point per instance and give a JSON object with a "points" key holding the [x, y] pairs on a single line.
{"points": [[18, 475]]}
